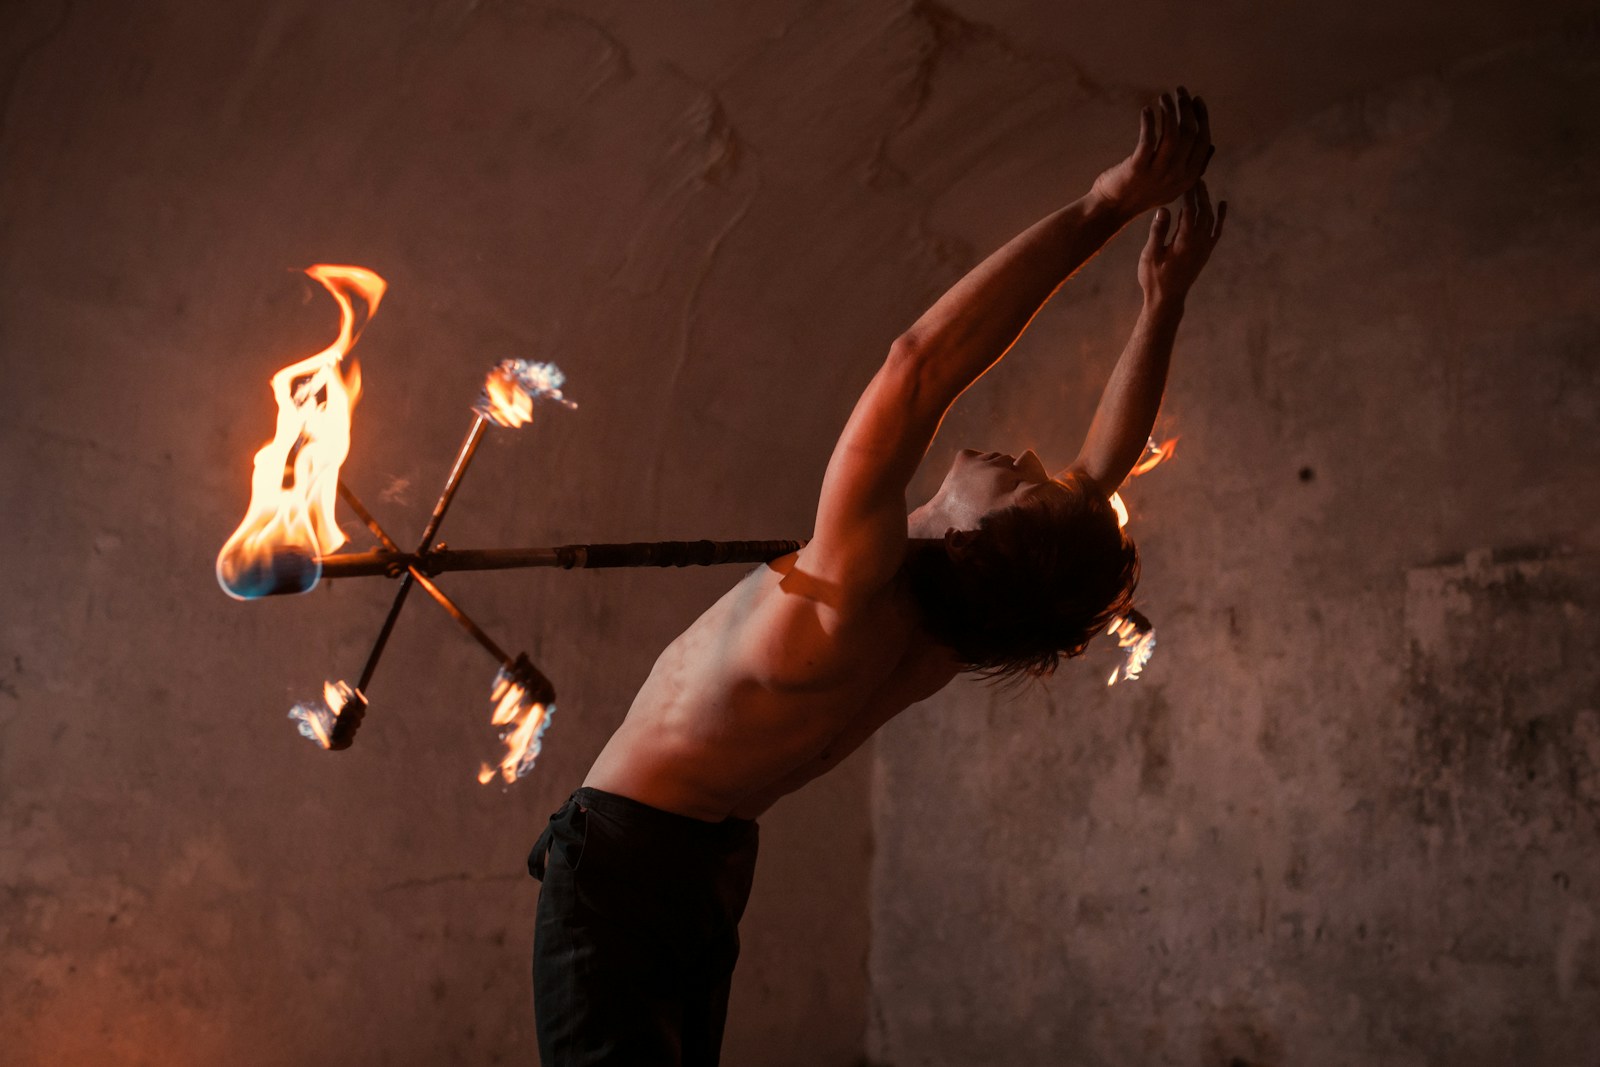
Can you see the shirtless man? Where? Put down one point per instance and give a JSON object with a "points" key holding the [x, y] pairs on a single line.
{"points": [[647, 867]]}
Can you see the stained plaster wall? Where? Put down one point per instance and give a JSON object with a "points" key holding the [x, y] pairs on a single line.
{"points": [[715, 217], [1349, 813], [186, 881]]}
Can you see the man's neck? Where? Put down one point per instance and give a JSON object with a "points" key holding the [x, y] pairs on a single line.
{"points": [[937, 517]]}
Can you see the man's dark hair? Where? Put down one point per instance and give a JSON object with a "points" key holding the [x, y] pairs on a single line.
{"points": [[1031, 586]]}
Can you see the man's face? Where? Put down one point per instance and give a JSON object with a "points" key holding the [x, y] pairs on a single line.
{"points": [[979, 483]]}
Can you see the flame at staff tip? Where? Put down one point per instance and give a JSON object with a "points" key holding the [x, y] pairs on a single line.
{"points": [[290, 521], [1137, 637], [315, 718], [1155, 454], [511, 388], [525, 721], [1120, 508]]}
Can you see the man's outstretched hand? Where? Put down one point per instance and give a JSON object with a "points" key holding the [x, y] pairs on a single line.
{"points": [[1167, 270], [1170, 157]]}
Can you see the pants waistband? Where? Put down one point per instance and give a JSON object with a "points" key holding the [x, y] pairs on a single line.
{"points": [[642, 815], [649, 827]]}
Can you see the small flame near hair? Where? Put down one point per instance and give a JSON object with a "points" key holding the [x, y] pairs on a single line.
{"points": [[1137, 637], [315, 718], [1155, 453], [511, 388]]}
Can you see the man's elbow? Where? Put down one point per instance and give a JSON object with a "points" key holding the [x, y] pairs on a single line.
{"points": [[919, 365], [908, 351]]}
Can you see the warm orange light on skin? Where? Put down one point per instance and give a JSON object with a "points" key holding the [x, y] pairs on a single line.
{"points": [[290, 521]]}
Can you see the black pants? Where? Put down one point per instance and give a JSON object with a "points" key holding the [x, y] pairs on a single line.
{"points": [[638, 932]]}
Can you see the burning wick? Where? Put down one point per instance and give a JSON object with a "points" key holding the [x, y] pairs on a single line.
{"points": [[1120, 508], [511, 388], [524, 717], [1135, 635], [290, 521], [315, 719], [1155, 453]]}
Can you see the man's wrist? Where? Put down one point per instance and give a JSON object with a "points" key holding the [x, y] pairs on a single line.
{"points": [[1099, 205], [1164, 307]]}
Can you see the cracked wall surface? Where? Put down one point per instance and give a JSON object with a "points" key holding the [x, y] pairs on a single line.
{"points": [[715, 217]]}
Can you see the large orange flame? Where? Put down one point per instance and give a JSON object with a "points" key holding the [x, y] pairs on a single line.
{"points": [[290, 521]]}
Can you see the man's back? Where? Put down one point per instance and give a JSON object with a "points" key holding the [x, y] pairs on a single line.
{"points": [[773, 685]]}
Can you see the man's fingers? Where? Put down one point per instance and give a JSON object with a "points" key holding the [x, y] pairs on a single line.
{"points": [[1203, 216], [1187, 123], [1202, 140], [1183, 232], [1222, 216], [1169, 125], [1158, 229], [1147, 133]]}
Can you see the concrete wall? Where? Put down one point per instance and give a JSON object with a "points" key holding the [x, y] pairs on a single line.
{"points": [[1349, 813], [186, 880], [715, 217]]}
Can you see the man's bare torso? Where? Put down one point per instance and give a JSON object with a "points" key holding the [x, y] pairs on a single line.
{"points": [[774, 685], [799, 663]]}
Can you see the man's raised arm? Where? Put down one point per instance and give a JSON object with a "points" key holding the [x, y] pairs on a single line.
{"points": [[1132, 396], [860, 530], [973, 325]]}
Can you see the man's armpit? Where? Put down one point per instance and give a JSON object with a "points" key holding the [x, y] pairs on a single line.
{"points": [[799, 582]]}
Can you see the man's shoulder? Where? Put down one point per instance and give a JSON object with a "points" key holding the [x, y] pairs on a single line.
{"points": [[793, 628]]}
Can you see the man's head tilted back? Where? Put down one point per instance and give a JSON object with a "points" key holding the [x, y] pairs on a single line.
{"points": [[1029, 567]]}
